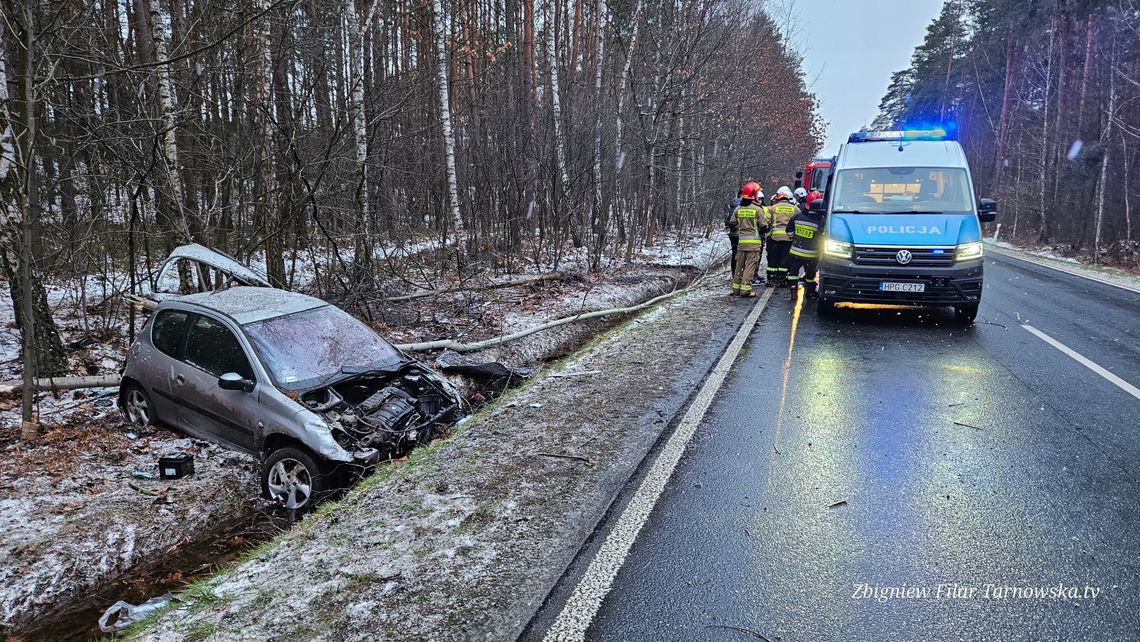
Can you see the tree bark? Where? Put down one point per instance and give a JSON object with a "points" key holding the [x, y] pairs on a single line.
{"points": [[363, 256], [160, 24], [563, 187], [445, 118]]}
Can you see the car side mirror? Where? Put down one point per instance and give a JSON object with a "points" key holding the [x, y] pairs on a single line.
{"points": [[987, 210], [817, 206], [234, 381]]}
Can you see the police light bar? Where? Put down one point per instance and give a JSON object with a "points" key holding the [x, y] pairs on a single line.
{"points": [[937, 133]]}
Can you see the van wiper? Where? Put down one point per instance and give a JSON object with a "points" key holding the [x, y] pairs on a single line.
{"points": [[851, 212], [925, 212]]}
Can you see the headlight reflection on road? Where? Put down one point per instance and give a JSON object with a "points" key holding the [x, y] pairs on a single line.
{"points": [[849, 305], [787, 367]]}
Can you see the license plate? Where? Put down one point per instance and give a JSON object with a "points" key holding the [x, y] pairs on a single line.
{"points": [[902, 287]]}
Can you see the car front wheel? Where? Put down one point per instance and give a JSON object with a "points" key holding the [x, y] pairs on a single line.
{"points": [[137, 407], [294, 478]]}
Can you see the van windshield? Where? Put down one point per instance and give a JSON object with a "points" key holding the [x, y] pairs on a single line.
{"points": [[902, 190]]}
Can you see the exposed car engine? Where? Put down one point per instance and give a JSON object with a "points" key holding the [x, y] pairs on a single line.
{"points": [[392, 412]]}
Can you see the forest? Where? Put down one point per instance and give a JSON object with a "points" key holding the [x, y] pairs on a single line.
{"points": [[509, 133], [1045, 97]]}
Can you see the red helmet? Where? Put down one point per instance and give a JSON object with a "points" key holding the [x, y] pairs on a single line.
{"points": [[814, 196], [750, 190]]}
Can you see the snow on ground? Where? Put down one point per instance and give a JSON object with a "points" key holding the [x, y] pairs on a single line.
{"points": [[1104, 273], [70, 497]]}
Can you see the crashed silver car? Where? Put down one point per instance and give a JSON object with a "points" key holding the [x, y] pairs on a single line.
{"points": [[314, 392]]}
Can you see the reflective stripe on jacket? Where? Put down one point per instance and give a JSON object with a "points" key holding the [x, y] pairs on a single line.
{"points": [[747, 226], [805, 229], [778, 216]]}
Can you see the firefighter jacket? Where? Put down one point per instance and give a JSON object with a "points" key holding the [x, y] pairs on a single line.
{"points": [[748, 220], [805, 229], [779, 213], [729, 222]]}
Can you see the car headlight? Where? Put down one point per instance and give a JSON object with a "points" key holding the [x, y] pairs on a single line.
{"points": [[968, 251], [841, 249]]}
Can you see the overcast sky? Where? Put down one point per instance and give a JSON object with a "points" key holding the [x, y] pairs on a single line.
{"points": [[855, 47]]}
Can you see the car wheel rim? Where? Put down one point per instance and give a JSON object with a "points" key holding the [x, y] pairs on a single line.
{"points": [[290, 482], [138, 412]]}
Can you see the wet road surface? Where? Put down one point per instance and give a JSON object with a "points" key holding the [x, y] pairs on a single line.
{"points": [[891, 475]]}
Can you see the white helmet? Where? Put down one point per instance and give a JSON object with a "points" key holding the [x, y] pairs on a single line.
{"points": [[784, 191], [801, 193]]}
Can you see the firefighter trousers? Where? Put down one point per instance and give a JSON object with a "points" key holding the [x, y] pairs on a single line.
{"points": [[810, 265], [746, 263], [777, 260]]}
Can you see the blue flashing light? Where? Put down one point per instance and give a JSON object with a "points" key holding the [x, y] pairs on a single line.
{"points": [[903, 135], [938, 252]]}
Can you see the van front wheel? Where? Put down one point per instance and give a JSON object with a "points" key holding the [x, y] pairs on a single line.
{"points": [[824, 308], [965, 314]]}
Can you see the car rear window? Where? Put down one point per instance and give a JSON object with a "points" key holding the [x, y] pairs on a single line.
{"points": [[168, 331], [213, 348]]}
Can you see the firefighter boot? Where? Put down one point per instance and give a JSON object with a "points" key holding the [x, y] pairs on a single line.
{"points": [[809, 290]]}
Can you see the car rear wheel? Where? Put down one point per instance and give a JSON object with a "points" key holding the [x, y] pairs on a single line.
{"points": [[294, 478], [965, 314], [137, 408]]}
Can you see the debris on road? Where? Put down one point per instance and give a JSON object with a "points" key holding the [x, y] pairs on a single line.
{"points": [[958, 423], [842, 502]]}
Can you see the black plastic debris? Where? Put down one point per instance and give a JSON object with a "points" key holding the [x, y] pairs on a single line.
{"points": [[175, 466]]}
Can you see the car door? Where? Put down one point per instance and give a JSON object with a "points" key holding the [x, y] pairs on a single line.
{"points": [[228, 416], [155, 369]]}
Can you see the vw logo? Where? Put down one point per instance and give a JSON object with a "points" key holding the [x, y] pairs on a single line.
{"points": [[903, 257]]}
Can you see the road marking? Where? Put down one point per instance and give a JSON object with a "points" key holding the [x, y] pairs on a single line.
{"points": [[1122, 384], [583, 604], [1060, 268]]}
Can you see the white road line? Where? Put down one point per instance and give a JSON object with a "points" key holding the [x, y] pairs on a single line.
{"points": [[1124, 385], [584, 602], [1060, 268]]}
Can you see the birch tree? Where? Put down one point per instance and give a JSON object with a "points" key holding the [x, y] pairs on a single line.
{"points": [[445, 121]]}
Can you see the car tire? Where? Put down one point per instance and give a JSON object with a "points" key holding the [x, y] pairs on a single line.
{"points": [[965, 314], [824, 308], [293, 477], [137, 408]]}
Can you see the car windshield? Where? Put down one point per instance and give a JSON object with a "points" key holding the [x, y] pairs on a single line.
{"points": [[900, 190], [303, 349]]}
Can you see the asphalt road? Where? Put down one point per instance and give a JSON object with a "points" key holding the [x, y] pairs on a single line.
{"points": [[955, 470]]}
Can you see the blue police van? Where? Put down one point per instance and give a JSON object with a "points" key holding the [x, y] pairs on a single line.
{"points": [[903, 224]]}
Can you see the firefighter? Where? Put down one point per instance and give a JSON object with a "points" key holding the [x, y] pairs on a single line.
{"points": [[747, 217], [805, 229], [801, 198], [730, 227], [779, 213]]}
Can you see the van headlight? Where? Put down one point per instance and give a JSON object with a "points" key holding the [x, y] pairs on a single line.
{"points": [[839, 249], [967, 251]]}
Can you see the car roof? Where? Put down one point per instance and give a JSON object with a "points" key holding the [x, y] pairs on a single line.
{"points": [[915, 153], [247, 304]]}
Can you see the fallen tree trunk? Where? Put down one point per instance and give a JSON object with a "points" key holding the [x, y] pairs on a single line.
{"points": [[61, 383], [449, 344], [553, 276]]}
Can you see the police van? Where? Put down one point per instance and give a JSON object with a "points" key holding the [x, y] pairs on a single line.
{"points": [[903, 224]]}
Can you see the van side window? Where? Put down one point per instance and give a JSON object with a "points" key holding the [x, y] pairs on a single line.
{"points": [[168, 331], [213, 348]]}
